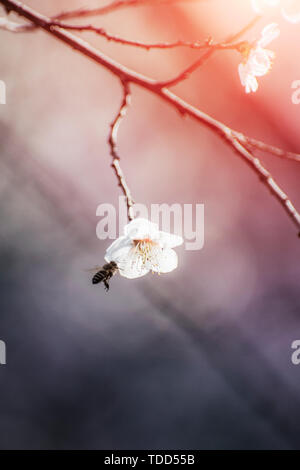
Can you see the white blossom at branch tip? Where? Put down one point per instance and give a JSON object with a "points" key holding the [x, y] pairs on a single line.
{"points": [[143, 248], [291, 12], [290, 9], [259, 5], [258, 60]]}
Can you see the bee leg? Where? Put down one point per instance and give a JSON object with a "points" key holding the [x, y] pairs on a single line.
{"points": [[106, 285]]}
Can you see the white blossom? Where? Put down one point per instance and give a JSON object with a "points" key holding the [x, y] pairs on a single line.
{"points": [[144, 248], [290, 9], [260, 5], [257, 59]]}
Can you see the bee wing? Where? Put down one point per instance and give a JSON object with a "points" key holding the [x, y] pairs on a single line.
{"points": [[94, 270], [99, 268]]}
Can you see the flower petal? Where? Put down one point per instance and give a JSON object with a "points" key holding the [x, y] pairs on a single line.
{"points": [[129, 262], [166, 262], [260, 5], [290, 13], [141, 228], [132, 265], [268, 34], [252, 84], [248, 80], [243, 73], [257, 6], [168, 240], [112, 251], [260, 61]]}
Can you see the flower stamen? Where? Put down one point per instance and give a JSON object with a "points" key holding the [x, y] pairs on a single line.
{"points": [[146, 249]]}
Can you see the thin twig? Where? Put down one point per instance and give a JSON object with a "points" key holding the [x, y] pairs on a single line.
{"points": [[7, 25], [124, 74], [207, 44], [112, 141], [267, 179], [254, 144], [199, 62], [229, 136]]}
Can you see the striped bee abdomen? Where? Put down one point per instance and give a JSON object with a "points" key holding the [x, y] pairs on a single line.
{"points": [[100, 276]]}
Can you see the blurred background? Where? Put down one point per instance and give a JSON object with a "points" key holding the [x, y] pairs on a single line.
{"points": [[196, 359]]}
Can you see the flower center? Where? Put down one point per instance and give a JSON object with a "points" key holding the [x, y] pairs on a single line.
{"points": [[245, 48], [146, 248]]}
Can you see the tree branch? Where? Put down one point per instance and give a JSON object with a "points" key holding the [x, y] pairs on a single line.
{"points": [[208, 44], [199, 62], [126, 75], [254, 144], [112, 141], [7, 25], [230, 137]]}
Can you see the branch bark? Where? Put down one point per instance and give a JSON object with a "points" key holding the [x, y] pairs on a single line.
{"points": [[112, 141], [207, 44]]}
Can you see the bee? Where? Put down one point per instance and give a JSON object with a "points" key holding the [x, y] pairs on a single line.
{"points": [[105, 274]]}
